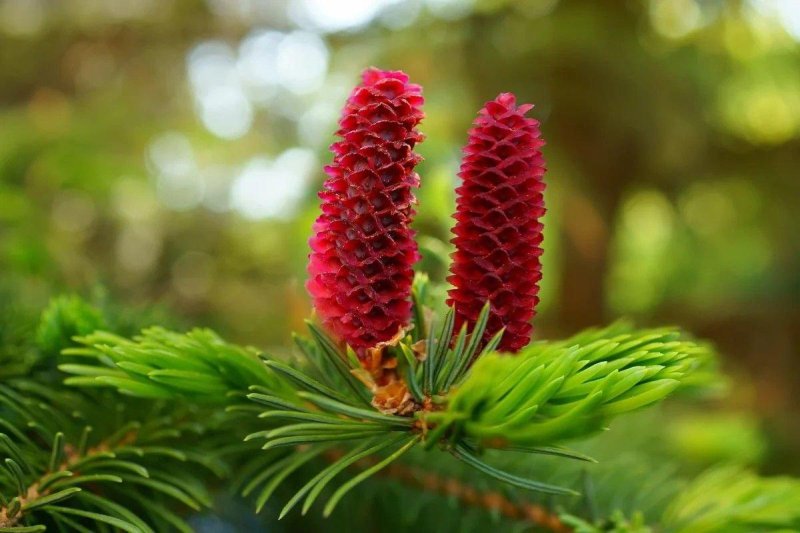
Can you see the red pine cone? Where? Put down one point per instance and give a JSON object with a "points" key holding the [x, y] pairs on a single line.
{"points": [[363, 249], [498, 235]]}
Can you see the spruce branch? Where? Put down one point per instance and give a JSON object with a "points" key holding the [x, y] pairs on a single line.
{"points": [[161, 364], [17, 328], [550, 392], [58, 469], [721, 500], [555, 391], [316, 407], [733, 499], [65, 317]]}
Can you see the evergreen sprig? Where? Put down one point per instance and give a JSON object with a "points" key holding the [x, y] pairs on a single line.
{"points": [[17, 328], [162, 364], [65, 317], [555, 391], [68, 464], [324, 438], [721, 500], [549, 393], [733, 499]]}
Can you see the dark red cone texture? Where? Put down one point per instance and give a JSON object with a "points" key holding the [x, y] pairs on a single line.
{"points": [[498, 234], [363, 249]]}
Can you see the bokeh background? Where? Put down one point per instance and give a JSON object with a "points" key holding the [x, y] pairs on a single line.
{"points": [[167, 153]]}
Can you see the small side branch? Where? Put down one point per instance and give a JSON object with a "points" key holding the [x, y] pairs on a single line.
{"points": [[72, 457]]}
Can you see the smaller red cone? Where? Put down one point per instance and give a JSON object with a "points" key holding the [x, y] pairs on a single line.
{"points": [[498, 233]]}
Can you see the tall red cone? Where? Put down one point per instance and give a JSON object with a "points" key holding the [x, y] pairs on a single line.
{"points": [[498, 233], [363, 249]]}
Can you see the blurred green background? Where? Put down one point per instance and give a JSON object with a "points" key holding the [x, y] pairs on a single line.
{"points": [[170, 152]]}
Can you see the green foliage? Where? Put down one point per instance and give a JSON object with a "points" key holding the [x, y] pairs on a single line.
{"points": [[724, 499], [734, 500], [194, 397], [17, 353], [555, 391], [711, 437], [163, 364], [92, 463], [65, 318], [616, 523], [92, 460]]}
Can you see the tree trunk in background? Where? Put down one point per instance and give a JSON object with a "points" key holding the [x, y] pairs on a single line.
{"points": [[585, 254]]}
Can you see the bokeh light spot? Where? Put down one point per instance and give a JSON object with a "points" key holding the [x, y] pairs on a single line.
{"points": [[675, 18], [178, 183], [192, 274], [226, 112], [328, 16], [450, 9], [73, 211], [302, 62], [706, 209], [272, 189], [257, 64]]}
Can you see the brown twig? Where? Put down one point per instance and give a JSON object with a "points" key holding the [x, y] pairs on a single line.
{"points": [[492, 501]]}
